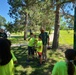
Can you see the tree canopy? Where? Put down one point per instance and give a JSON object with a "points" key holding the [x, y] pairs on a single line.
{"points": [[2, 21], [45, 13]]}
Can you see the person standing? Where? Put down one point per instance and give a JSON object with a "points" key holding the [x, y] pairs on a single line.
{"points": [[45, 40], [30, 47], [67, 66], [39, 50], [6, 61]]}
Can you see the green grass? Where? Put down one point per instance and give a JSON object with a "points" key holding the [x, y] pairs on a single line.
{"points": [[66, 37], [17, 39], [23, 68]]}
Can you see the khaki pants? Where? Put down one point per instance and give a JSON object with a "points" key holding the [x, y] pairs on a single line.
{"points": [[44, 52]]}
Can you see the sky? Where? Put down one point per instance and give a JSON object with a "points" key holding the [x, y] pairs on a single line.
{"points": [[4, 10]]}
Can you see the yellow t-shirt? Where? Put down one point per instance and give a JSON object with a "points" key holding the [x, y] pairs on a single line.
{"points": [[7, 69], [31, 42], [39, 46]]}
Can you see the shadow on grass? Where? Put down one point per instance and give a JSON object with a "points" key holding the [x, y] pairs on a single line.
{"points": [[17, 39], [32, 68], [16, 36]]}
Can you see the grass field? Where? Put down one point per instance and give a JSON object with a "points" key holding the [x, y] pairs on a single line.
{"points": [[24, 68], [66, 37]]}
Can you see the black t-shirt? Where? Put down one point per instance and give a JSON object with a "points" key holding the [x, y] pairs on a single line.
{"points": [[44, 36]]}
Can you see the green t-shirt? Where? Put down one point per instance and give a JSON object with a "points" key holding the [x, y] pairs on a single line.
{"points": [[44, 36], [39, 46], [60, 68], [31, 42], [35, 44], [7, 69]]}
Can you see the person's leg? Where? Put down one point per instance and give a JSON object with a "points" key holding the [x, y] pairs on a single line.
{"points": [[35, 53], [32, 52], [40, 58], [28, 52], [44, 53]]}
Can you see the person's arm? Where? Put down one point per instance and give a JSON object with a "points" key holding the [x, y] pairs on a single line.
{"points": [[13, 57]]}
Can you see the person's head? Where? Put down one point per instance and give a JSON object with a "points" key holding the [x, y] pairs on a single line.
{"points": [[1, 30], [9, 42], [39, 38], [70, 55], [42, 29], [5, 55]]}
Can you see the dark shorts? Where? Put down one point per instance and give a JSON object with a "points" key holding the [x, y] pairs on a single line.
{"points": [[34, 49], [30, 51]]}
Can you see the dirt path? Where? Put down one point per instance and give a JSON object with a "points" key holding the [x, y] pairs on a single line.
{"points": [[25, 44], [51, 36]]}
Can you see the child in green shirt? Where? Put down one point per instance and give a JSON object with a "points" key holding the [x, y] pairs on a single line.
{"points": [[39, 49], [66, 67], [6, 61], [31, 46]]}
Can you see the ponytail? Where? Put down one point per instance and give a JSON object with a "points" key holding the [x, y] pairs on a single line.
{"points": [[70, 55], [71, 68]]}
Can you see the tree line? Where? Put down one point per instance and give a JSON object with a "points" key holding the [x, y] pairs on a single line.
{"points": [[31, 13]]}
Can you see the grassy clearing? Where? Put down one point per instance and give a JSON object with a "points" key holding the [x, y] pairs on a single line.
{"points": [[17, 39], [66, 37], [23, 68]]}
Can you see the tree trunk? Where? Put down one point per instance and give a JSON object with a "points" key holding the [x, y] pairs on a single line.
{"points": [[55, 43], [26, 24]]}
